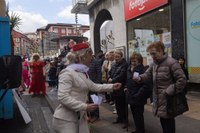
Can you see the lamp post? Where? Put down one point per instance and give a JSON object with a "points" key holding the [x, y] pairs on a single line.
{"points": [[43, 45]]}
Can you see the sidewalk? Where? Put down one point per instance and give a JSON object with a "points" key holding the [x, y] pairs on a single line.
{"points": [[187, 123]]}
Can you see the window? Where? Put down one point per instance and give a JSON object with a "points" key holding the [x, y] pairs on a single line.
{"points": [[69, 31], [55, 30], [63, 31], [154, 26]]}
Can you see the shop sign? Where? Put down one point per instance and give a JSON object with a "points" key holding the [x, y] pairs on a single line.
{"points": [[134, 8]]}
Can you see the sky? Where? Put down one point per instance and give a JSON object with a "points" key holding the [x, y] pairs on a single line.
{"points": [[38, 13]]}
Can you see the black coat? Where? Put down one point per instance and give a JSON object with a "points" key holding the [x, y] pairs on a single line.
{"points": [[137, 92], [118, 73]]}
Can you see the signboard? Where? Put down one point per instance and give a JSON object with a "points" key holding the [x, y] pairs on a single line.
{"points": [[134, 8]]}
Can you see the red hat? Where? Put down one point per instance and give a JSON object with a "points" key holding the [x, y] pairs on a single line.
{"points": [[80, 46]]}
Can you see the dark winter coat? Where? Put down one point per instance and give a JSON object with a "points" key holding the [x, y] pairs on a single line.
{"points": [[118, 73], [137, 92], [94, 72], [168, 79]]}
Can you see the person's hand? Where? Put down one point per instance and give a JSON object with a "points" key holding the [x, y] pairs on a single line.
{"points": [[92, 107], [137, 79], [117, 86]]}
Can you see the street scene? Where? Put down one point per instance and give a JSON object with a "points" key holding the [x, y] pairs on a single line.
{"points": [[99, 66], [41, 110]]}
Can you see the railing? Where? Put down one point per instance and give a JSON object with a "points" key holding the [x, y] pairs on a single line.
{"points": [[74, 2]]}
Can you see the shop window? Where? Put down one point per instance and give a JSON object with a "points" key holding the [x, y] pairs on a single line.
{"points": [[154, 26], [193, 39]]}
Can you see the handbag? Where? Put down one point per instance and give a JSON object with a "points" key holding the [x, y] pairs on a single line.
{"points": [[177, 104]]}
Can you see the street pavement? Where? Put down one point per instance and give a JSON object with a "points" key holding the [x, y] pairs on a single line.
{"points": [[189, 122]]}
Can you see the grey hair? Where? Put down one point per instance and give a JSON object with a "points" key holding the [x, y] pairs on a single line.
{"points": [[76, 56], [118, 51]]}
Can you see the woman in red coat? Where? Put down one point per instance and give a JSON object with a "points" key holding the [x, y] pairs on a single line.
{"points": [[37, 80]]}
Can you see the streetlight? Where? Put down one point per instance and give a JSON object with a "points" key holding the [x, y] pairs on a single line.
{"points": [[43, 45]]}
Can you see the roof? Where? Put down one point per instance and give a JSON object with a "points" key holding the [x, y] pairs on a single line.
{"points": [[64, 25], [75, 38]]}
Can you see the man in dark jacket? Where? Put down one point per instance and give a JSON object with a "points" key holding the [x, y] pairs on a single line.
{"points": [[118, 74]]}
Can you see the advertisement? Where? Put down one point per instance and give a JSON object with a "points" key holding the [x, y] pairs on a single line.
{"points": [[193, 39], [134, 8]]}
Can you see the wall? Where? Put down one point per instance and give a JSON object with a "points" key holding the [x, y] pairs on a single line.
{"points": [[116, 9]]}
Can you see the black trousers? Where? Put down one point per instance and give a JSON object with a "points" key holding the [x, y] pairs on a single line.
{"points": [[168, 125], [120, 104], [137, 112]]}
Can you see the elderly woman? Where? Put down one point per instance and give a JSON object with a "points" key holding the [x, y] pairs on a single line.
{"points": [[37, 74], [168, 79], [74, 84], [137, 93]]}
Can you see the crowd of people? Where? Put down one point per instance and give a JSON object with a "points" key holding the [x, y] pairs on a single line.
{"points": [[79, 74]]}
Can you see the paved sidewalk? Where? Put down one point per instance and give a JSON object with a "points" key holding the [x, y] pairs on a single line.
{"points": [[189, 122]]}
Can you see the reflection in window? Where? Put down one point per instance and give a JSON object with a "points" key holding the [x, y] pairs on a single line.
{"points": [[154, 26]]}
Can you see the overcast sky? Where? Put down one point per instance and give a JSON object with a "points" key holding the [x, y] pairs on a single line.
{"points": [[38, 13]]}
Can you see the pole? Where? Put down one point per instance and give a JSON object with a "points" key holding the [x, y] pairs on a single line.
{"points": [[43, 45], [76, 20]]}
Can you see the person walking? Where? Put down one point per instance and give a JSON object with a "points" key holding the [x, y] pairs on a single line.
{"points": [[74, 84], [168, 79], [37, 75], [25, 72], [137, 93]]}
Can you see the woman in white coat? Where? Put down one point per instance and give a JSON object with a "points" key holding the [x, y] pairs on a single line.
{"points": [[71, 114]]}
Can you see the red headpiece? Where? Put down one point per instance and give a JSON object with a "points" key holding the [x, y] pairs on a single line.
{"points": [[80, 46]]}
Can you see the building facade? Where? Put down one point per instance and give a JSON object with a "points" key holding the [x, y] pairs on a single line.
{"points": [[22, 44], [51, 37], [139, 22]]}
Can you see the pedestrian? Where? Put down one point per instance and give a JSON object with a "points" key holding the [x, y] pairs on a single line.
{"points": [[95, 75], [117, 73], [111, 61], [104, 71], [168, 79], [137, 93], [74, 84], [25, 72], [181, 61], [38, 75], [52, 77]]}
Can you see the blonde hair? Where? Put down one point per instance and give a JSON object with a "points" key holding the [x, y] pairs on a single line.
{"points": [[77, 56], [35, 57]]}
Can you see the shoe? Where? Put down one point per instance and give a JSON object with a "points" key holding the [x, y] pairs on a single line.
{"points": [[124, 126], [116, 122], [92, 120], [111, 102], [105, 101], [114, 111], [113, 105]]}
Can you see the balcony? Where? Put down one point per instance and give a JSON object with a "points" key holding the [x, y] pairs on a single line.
{"points": [[82, 6]]}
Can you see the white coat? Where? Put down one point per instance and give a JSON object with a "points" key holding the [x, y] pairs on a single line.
{"points": [[72, 95]]}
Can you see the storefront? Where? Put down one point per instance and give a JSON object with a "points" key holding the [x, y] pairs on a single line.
{"points": [[174, 22], [147, 21], [193, 38]]}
